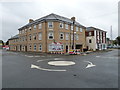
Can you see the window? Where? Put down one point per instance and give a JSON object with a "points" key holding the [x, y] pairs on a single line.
{"points": [[61, 36], [90, 41], [90, 33], [67, 36], [76, 28], [61, 25], [19, 32], [30, 37], [34, 36], [71, 36], [29, 28], [50, 24], [30, 47], [50, 35], [40, 36], [34, 47], [40, 26], [35, 27], [40, 47], [97, 32], [80, 29], [62, 47], [25, 30], [72, 27], [22, 31], [66, 26], [77, 37]]}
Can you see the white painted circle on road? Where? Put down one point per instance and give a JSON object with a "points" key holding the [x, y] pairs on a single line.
{"points": [[61, 63]]}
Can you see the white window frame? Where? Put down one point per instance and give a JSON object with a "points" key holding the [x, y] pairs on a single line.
{"points": [[71, 36], [35, 27], [71, 27], [62, 36], [66, 26], [40, 47], [61, 25], [50, 24], [30, 46], [67, 36], [40, 36], [52, 35], [81, 30], [25, 30], [90, 33], [77, 28], [22, 31], [77, 37], [30, 37], [35, 47], [30, 28], [34, 36], [40, 25]]}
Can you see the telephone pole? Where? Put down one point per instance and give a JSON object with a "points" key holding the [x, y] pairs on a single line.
{"points": [[111, 34]]}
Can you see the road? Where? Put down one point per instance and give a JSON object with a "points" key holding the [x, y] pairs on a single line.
{"points": [[17, 71]]}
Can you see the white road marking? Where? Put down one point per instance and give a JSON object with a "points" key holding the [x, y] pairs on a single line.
{"points": [[43, 60], [37, 67], [58, 58], [36, 56], [90, 64], [97, 56], [61, 63], [107, 57]]}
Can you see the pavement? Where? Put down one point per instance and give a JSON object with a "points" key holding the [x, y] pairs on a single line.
{"points": [[27, 70]]}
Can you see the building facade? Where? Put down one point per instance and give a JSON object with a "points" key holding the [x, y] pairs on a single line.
{"points": [[13, 43], [43, 34], [95, 39]]}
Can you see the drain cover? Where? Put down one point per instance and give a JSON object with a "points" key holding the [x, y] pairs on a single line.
{"points": [[61, 63]]}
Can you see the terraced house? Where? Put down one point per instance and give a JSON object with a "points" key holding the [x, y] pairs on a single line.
{"points": [[48, 33]]}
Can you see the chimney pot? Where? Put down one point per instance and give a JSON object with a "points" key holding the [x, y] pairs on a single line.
{"points": [[31, 20]]}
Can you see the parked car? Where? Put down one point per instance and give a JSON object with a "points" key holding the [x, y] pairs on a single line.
{"points": [[74, 52]]}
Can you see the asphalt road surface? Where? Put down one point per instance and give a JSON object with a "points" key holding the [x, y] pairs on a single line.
{"points": [[26, 70]]}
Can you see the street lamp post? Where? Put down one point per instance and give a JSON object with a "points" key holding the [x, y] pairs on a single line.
{"points": [[73, 18]]}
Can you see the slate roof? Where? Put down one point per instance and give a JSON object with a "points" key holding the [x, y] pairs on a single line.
{"points": [[93, 28], [14, 37], [52, 17]]}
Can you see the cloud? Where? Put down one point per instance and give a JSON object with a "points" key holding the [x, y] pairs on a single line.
{"points": [[98, 13]]}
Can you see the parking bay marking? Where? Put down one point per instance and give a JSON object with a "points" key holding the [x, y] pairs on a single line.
{"points": [[38, 67]]}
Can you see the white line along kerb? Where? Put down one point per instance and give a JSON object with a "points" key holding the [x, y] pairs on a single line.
{"points": [[37, 67], [90, 64]]}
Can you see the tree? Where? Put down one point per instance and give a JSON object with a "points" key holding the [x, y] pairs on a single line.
{"points": [[115, 42], [7, 43], [118, 40]]}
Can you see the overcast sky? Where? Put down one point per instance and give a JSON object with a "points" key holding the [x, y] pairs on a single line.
{"points": [[97, 13]]}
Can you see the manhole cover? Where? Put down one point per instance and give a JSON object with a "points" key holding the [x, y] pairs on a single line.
{"points": [[61, 63]]}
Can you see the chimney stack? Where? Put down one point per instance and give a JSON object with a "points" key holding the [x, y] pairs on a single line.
{"points": [[73, 18], [31, 20]]}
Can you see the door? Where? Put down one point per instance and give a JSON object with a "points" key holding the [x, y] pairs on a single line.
{"points": [[66, 48], [20, 47], [25, 48]]}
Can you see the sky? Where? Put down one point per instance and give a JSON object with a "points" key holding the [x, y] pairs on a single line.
{"points": [[97, 13]]}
